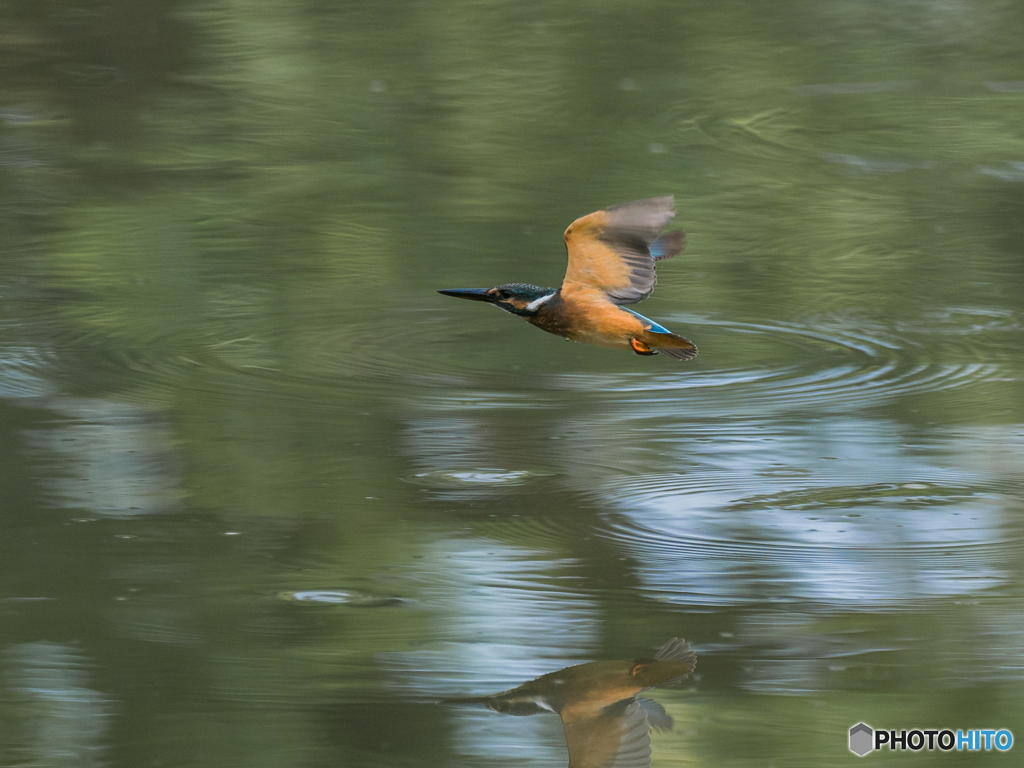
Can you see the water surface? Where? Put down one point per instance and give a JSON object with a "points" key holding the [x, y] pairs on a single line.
{"points": [[268, 497]]}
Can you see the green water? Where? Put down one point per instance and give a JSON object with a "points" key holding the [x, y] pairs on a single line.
{"points": [[266, 497]]}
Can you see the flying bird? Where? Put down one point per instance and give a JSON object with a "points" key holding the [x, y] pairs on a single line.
{"points": [[612, 253], [605, 724]]}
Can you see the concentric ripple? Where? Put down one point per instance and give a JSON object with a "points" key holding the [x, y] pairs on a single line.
{"points": [[699, 538], [835, 363], [306, 356]]}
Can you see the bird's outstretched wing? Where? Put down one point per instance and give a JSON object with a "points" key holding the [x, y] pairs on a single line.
{"points": [[614, 250], [619, 736]]}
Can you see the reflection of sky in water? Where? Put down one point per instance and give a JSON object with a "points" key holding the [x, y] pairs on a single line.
{"points": [[107, 458], [510, 619], [847, 510], [867, 522], [453, 460], [515, 616], [64, 721], [20, 376]]}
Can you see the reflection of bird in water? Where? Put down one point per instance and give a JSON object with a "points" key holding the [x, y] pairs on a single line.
{"points": [[606, 725], [611, 262]]}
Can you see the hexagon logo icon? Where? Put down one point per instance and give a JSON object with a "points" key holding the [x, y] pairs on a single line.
{"points": [[862, 739]]}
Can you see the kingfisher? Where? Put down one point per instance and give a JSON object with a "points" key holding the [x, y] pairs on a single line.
{"points": [[605, 724], [612, 253]]}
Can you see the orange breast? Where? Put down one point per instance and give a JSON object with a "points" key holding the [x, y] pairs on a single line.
{"points": [[591, 318]]}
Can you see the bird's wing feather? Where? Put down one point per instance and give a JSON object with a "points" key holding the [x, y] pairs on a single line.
{"points": [[618, 737], [614, 250], [657, 717]]}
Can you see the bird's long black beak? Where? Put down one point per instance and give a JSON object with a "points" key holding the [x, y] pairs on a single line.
{"points": [[475, 294]]}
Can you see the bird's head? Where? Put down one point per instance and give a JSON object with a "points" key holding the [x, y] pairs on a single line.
{"points": [[518, 298]]}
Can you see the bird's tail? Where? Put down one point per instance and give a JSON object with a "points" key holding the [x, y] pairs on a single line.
{"points": [[672, 345], [676, 649], [681, 661]]}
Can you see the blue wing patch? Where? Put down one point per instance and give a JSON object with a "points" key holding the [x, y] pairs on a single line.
{"points": [[655, 327], [667, 246]]}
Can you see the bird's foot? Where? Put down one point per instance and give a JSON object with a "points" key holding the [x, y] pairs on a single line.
{"points": [[641, 348]]}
